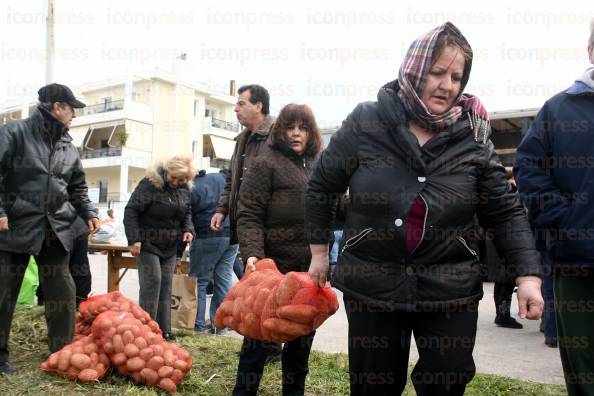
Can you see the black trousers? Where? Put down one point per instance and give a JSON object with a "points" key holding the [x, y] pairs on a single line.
{"points": [[79, 269], [252, 359], [379, 344], [502, 294], [58, 287]]}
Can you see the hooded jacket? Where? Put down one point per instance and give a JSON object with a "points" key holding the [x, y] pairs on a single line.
{"points": [[555, 168], [157, 215], [458, 176], [42, 184]]}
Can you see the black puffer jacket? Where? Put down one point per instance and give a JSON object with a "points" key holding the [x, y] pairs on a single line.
{"points": [[157, 215], [41, 182], [456, 174]]}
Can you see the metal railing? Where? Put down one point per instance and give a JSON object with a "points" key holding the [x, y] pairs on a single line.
{"points": [[230, 126], [101, 108], [98, 153]]}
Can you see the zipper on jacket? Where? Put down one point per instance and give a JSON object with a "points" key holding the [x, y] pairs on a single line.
{"points": [[463, 242], [424, 224], [356, 239]]}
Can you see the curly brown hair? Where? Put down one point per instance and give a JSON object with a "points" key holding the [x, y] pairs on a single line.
{"points": [[296, 114]]}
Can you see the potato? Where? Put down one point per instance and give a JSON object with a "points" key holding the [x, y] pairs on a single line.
{"points": [[90, 348], [123, 327], [155, 363], [88, 375], [287, 288], [169, 357], [146, 354], [53, 361], [158, 349], [64, 360], [154, 326], [45, 366], [118, 343], [149, 376], [108, 347], [177, 376], [71, 373], [136, 331], [119, 358], [135, 364], [131, 350], [80, 361], [168, 385], [180, 365], [104, 359], [301, 313], [137, 377], [128, 337], [283, 326], [165, 371], [94, 358]]}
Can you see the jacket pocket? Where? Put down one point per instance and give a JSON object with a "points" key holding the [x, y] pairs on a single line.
{"points": [[466, 246], [355, 240]]}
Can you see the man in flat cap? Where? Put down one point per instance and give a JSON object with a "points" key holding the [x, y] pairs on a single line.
{"points": [[43, 201]]}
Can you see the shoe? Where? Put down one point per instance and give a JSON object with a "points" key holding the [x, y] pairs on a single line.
{"points": [[169, 337], [274, 355], [7, 368], [551, 342], [541, 326], [201, 331], [215, 331], [508, 322]]}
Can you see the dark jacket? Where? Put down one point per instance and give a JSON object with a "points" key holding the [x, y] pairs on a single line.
{"points": [[206, 193], [555, 173], [457, 176], [247, 148], [271, 209], [41, 182], [157, 215]]}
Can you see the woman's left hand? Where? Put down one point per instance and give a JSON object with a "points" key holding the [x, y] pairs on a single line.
{"points": [[188, 237], [529, 296]]}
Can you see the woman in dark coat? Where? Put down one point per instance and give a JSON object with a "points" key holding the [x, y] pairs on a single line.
{"points": [[419, 167], [157, 216], [270, 224]]}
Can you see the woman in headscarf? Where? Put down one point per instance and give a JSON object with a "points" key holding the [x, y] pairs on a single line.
{"points": [[419, 166]]}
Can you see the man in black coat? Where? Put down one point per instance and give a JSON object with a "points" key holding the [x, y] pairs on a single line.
{"points": [[43, 207]]}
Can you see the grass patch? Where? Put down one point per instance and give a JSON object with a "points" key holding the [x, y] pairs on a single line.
{"points": [[212, 356]]}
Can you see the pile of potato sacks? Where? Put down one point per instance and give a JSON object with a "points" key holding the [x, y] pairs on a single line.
{"points": [[267, 305], [113, 331]]}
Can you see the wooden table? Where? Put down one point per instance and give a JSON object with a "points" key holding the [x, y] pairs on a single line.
{"points": [[116, 261]]}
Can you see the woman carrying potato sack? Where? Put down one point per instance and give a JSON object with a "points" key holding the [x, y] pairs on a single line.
{"points": [[157, 216], [419, 165], [270, 224]]}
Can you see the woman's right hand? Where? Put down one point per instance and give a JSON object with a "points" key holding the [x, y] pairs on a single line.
{"points": [[318, 268], [135, 249]]}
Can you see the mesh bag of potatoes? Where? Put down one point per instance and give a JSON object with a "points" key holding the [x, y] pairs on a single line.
{"points": [[82, 360], [267, 305], [136, 350]]}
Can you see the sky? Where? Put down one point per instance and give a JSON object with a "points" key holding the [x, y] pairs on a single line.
{"points": [[328, 54]]}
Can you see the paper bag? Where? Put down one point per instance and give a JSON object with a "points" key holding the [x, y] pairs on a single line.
{"points": [[184, 301]]}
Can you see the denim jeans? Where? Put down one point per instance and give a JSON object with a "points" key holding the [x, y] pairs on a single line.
{"points": [[211, 257]]}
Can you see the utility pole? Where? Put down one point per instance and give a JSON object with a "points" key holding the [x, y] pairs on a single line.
{"points": [[50, 43]]}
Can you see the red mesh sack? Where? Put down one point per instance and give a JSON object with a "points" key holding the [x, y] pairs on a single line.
{"points": [[139, 351], [267, 305], [114, 301], [82, 360]]}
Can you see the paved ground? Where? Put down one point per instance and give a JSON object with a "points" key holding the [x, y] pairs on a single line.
{"points": [[518, 354]]}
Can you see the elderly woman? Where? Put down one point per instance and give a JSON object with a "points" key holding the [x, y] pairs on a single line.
{"points": [[419, 166], [157, 216], [270, 224]]}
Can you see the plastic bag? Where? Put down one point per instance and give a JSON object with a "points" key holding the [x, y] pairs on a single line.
{"points": [[30, 284]]}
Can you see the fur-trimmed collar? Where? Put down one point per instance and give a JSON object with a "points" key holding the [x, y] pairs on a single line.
{"points": [[156, 176]]}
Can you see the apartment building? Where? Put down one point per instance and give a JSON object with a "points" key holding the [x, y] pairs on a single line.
{"points": [[134, 120]]}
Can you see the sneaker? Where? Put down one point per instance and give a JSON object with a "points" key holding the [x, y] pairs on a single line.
{"points": [[201, 331], [216, 331], [7, 368], [508, 322]]}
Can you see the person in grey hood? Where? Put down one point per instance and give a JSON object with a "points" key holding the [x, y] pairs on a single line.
{"points": [[43, 207], [554, 169]]}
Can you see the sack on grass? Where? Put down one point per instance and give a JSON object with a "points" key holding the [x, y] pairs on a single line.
{"points": [[184, 303], [267, 305]]}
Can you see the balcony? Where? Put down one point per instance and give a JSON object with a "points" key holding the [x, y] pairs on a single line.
{"points": [[100, 153], [222, 124], [100, 108]]}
